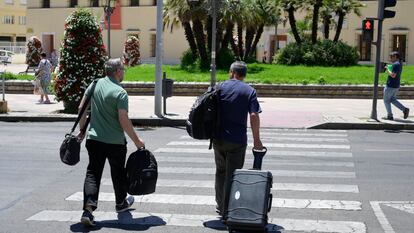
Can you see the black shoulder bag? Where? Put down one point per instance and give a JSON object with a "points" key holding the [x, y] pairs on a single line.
{"points": [[70, 148]]}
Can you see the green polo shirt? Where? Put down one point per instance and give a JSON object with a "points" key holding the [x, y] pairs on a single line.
{"points": [[107, 99]]}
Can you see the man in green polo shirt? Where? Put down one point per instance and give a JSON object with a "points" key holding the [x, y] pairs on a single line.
{"points": [[106, 139]]}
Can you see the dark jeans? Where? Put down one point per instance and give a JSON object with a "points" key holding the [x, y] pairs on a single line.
{"points": [[228, 157], [98, 153]]}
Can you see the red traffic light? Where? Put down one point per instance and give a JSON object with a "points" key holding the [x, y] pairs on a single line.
{"points": [[368, 25]]}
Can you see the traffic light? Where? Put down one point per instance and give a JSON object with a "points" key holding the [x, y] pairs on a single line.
{"points": [[368, 30], [384, 14]]}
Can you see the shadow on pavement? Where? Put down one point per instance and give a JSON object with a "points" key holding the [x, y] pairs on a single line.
{"points": [[219, 226], [124, 222]]}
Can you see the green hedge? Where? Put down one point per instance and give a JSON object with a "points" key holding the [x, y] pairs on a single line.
{"points": [[323, 53]]}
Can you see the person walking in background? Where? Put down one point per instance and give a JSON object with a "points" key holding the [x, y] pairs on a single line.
{"points": [[43, 76], [106, 139], [393, 85], [237, 100]]}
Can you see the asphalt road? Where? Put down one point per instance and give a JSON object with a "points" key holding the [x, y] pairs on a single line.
{"points": [[324, 181]]}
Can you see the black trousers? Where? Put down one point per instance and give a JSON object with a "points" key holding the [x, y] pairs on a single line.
{"points": [[228, 158], [98, 153]]}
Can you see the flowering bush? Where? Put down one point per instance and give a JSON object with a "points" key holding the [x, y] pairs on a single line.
{"points": [[34, 49], [132, 56], [82, 60]]}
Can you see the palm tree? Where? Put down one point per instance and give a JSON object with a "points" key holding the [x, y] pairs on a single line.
{"points": [[317, 4], [291, 6], [343, 8]]}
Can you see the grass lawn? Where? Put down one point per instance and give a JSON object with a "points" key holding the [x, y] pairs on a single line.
{"points": [[268, 74], [276, 74]]}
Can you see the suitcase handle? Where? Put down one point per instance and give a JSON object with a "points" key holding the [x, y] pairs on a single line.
{"points": [[270, 202]]}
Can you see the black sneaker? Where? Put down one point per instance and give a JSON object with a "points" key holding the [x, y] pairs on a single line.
{"points": [[125, 205], [406, 113], [87, 219], [390, 118]]}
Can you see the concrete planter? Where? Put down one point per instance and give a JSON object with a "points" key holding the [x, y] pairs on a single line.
{"points": [[263, 90]]}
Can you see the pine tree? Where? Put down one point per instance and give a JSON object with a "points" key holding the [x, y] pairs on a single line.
{"points": [[34, 49], [82, 58], [132, 56]]}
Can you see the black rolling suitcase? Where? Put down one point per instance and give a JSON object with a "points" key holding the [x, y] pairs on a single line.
{"points": [[250, 199]]}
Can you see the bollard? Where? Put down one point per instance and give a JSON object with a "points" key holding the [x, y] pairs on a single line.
{"points": [[3, 102]]}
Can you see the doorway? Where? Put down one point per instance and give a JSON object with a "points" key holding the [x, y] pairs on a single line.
{"points": [[48, 42]]}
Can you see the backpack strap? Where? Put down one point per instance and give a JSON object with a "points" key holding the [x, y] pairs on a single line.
{"points": [[85, 105], [217, 126]]}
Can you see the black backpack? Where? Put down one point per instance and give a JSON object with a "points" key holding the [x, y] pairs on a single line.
{"points": [[203, 120], [142, 172]]}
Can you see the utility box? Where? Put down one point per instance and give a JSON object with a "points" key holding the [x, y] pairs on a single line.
{"points": [[3, 106]]}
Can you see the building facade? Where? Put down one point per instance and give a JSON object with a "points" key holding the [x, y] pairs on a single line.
{"points": [[397, 34], [13, 25], [46, 19]]}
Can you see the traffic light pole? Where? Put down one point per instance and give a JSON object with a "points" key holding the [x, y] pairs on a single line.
{"points": [[378, 43]]}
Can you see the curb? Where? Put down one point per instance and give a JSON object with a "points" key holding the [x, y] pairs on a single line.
{"points": [[169, 122]]}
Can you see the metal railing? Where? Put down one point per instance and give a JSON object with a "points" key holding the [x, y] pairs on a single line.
{"points": [[15, 47]]}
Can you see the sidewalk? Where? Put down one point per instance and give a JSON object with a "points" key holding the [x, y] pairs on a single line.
{"points": [[277, 112]]}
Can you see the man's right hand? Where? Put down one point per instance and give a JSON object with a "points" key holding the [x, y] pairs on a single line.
{"points": [[140, 143], [257, 145]]}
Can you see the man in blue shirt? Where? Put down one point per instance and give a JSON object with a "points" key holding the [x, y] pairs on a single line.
{"points": [[237, 101], [393, 86]]}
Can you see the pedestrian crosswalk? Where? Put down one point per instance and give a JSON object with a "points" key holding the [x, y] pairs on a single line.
{"points": [[314, 189]]}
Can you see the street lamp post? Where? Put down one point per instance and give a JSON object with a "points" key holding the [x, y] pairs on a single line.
{"points": [[109, 7]]}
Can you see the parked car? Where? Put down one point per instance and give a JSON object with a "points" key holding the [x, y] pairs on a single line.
{"points": [[6, 56]]}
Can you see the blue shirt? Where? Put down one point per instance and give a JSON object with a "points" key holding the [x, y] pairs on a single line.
{"points": [[395, 82], [237, 99]]}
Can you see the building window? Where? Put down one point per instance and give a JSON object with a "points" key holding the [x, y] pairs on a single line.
{"points": [[23, 2], [8, 19], [94, 3], [73, 3], [364, 50], [134, 3], [9, 2], [46, 4], [153, 44], [22, 20], [399, 44]]}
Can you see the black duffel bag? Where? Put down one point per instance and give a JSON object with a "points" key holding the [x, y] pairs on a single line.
{"points": [[142, 172], [70, 148]]}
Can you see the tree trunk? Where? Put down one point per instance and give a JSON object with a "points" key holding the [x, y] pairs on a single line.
{"points": [[228, 35], [256, 40], [189, 35], [200, 39], [326, 26], [209, 32], [248, 42], [219, 37], [240, 39], [339, 27], [292, 22], [315, 20]]}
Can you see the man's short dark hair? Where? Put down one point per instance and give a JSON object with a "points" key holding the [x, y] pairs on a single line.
{"points": [[43, 54], [113, 65], [239, 67], [396, 54]]}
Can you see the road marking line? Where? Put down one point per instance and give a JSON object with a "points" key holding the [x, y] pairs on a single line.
{"points": [[264, 133], [341, 188], [302, 130], [269, 145], [287, 173], [210, 200], [389, 150], [269, 161], [197, 151], [162, 219], [297, 139], [407, 206]]}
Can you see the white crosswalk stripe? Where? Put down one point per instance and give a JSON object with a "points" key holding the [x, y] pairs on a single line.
{"points": [[288, 173], [317, 165], [296, 139], [269, 161], [210, 200], [161, 219], [268, 145], [196, 151], [342, 188]]}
